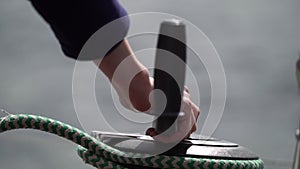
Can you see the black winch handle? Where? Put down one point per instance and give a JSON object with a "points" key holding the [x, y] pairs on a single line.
{"points": [[169, 74]]}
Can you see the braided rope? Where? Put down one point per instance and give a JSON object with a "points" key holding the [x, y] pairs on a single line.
{"points": [[101, 155]]}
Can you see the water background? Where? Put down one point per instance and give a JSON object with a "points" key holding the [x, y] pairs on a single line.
{"points": [[258, 42]]}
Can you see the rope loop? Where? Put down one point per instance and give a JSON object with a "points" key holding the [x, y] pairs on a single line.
{"points": [[100, 155]]}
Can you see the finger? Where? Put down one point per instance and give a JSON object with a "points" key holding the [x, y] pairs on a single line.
{"points": [[194, 128], [189, 121], [194, 121], [196, 110], [186, 103], [195, 116], [151, 132], [186, 94], [183, 132], [186, 89]]}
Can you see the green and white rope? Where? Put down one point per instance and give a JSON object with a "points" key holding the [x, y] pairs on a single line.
{"points": [[103, 156]]}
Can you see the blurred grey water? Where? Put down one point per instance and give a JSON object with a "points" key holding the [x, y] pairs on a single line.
{"points": [[258, 42]]}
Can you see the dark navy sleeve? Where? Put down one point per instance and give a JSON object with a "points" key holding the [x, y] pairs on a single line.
{"points": [[75, 21]]}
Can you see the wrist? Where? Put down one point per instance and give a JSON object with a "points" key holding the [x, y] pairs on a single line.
{"points": [[130, 78]]}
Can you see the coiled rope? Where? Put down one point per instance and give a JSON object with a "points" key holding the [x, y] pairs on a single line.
{"points": [[101, 155]]}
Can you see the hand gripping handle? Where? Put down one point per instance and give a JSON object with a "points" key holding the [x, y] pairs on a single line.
{"points": [[169, 74]]}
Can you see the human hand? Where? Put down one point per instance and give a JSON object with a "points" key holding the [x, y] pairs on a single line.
{"points": [[187, 123], [119, 66], [140, 88]]}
